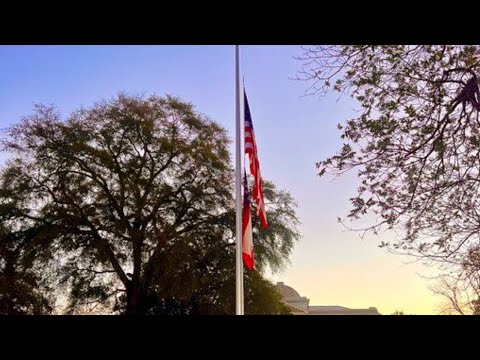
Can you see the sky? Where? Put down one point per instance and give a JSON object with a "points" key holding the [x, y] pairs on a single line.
{"points": [[329, 265]]}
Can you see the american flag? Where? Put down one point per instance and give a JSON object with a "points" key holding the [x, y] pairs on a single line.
{"points": [[251, 150]]}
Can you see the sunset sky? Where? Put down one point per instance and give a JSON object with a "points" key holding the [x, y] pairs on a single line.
{"points": [[329, 265]]}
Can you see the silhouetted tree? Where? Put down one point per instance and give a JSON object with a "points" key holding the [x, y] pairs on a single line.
{"points": [[217, 296], [23, 283], [140, 194]]}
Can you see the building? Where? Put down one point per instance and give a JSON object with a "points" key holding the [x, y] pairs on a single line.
{"points": [[299, 305]]}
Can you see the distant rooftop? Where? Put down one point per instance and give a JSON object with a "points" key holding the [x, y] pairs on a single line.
{"points": [[299, 304], [327, 308], [287, 291]]}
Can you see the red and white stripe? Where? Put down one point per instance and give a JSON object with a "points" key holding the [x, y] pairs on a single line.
{"points": [[247, 238], [251, 150]]}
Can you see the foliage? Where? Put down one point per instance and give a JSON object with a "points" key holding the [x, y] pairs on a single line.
{"points": [[138, 197], [24, 286], [414, 143]]}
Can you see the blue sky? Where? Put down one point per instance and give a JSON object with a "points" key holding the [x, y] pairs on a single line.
{"points": [[293, 131]]}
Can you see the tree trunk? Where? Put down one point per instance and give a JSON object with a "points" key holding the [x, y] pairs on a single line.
{"points": [[135, 305], [135, 290]]}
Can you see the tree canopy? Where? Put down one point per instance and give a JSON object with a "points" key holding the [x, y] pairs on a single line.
{"points": [[22, 290], [414, 143], [137, 197]]}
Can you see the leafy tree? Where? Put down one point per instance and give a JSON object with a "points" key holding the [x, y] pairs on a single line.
{"points": [[23, 290], [206, 285], [261, 297], [414, 143], [140, 194], [217, 296]]}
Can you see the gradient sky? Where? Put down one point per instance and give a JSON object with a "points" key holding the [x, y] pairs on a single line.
{"points": [[329, 265]]}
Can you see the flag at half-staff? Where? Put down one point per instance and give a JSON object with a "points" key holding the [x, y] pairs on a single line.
{"points": [[251, 150]]}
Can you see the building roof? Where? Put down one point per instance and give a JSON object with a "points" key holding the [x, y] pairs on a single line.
{"points": [[299, 304], [286, 291], [327, 308], [296, 309], [340, 310]]}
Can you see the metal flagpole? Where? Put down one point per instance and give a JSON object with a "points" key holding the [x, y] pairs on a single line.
{"points": [[238, 183]]}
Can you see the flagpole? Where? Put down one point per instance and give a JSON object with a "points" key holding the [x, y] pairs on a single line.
{"points": [[239, 266]]}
